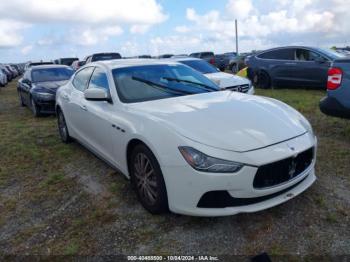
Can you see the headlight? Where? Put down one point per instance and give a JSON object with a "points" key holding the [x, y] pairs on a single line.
{"points": [[306, 124], [204, 163], [45, 95]]}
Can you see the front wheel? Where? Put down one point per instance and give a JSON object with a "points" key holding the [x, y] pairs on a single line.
{"points": [[147, 179], [34, 107], [62, 128], [21, 103]]}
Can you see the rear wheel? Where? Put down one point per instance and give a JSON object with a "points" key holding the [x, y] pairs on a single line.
{"points": [[147, 179], [62, 128], [263, 80]]}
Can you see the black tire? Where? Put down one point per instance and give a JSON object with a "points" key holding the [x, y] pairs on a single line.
{"points": [[148, 181], [34, 107], [21, 103], [233, 68], [263, 80], [62, 128]]}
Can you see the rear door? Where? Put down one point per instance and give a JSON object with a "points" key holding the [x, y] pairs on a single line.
{"points": [[311, 68], [279, 63]]}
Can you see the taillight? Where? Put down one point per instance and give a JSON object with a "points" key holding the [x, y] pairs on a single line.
{"points": [[334, 78], [212, 61]]}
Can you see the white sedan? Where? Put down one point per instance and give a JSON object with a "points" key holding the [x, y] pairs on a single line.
{"points": [[224, 80], [185, 146]]}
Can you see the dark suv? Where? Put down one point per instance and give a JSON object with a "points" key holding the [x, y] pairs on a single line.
{"points": [[102, 57], [294, 66], [207, 56]]}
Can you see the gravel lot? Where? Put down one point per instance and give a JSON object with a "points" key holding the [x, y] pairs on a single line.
{"points": [[58, 199]]}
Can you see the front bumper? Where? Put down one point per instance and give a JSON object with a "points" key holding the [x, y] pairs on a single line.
{"points": [[331, 106], [46, 106], [186, 187]]}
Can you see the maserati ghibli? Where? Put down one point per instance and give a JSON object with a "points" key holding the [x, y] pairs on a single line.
{"points": [[186, 146]]}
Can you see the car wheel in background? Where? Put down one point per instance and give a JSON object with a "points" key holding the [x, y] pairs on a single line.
{"points": [[147, 179], [62, 128], [34, 107], [21, 103], [233, 69], [263, 80]]}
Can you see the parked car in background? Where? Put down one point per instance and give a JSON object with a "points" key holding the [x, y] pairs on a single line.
{"points": [[184, 145], [165, 56], [207, 56], [144, 56], [3, 78], [292, 66], [77, 64], [102, 57], [222, 61], [337, 101], [37, 88], [224, 80], [30, 64], [66, 61], [8, 73]]}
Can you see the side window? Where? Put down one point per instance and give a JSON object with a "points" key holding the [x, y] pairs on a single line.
{"points": [[99, 79], [307, 55], [279, 54], [81, 79]]}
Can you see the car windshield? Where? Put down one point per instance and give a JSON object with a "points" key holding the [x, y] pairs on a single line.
{"points": [[153, 82], [102, 57], [201, 66], [332, 54], [51, 74]]}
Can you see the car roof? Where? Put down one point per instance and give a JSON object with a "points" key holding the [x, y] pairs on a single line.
{"points": [[181, 59], [120, 63], [48, 66]]}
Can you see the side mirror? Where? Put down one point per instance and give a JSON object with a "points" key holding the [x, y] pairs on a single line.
{"points": [[96, 94], [27, 82]]}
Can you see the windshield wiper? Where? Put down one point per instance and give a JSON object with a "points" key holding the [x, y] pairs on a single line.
{"points": [[163, 88], [205, 87]]}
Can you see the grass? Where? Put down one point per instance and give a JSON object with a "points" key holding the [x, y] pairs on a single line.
{"points": [[43, 205]]}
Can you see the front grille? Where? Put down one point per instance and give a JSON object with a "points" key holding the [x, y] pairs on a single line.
{"points": [[239, 88], [222, 199], [284, 170]]}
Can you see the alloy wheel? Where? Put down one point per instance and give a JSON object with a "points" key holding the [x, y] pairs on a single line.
{"points": [[146, 181]]}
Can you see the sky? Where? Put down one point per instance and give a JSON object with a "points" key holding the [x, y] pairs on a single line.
{"points": [[50, 29]]}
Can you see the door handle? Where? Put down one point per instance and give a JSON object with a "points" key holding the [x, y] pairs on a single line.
{"points": [[83, 107], [290, 63]]}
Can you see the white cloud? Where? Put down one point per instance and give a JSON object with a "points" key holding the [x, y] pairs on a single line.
{"points": [[84, 11], [182, 29], [26, 49], [92, 36], [99, 19], [240, 9], [139, 29], [10, 32], [278, 22]]}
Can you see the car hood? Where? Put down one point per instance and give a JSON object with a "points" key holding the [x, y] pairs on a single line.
{"points": [[225, 80], [50, 86], [226, 120]]}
